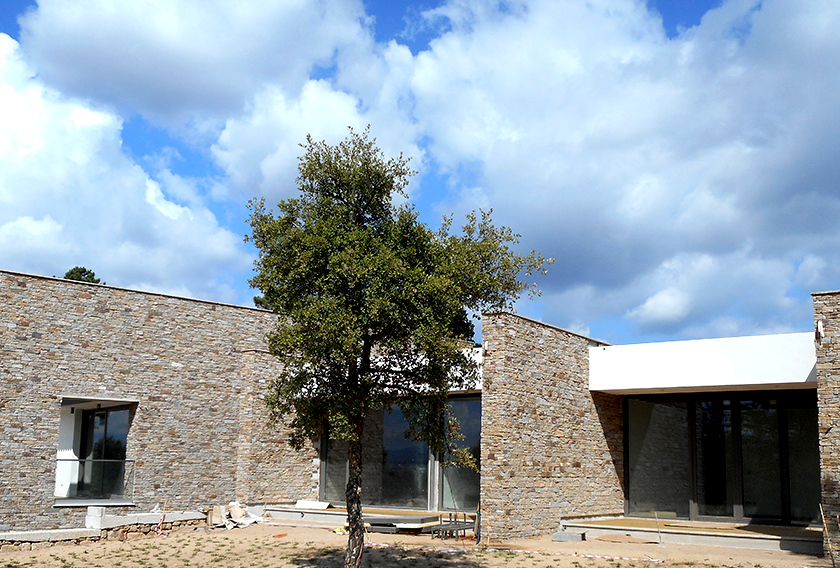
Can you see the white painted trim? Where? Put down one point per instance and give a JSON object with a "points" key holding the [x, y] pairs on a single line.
{"points": [[772, 362], [87, 398], [61, 503]]}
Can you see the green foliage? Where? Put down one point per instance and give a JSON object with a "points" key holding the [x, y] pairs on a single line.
{"points": [[81, 274], [375, 304], [260, 302]]}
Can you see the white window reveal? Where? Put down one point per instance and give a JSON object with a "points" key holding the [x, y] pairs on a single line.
{"points": [[91, 465]]}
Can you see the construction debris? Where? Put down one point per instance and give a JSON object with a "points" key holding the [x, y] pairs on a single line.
{"points": [[231, 516]]}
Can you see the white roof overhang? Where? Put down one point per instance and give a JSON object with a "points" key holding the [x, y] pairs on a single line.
{"points": [[771, 362]]}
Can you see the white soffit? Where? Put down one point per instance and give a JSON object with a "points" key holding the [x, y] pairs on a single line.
{"points": [[735, 363]]}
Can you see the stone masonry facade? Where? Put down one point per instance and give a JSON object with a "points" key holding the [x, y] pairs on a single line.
{"points": [[196, 370], [827, 315], [550, 449]]}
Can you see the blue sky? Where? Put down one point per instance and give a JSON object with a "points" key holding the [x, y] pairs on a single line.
{"points": [[679, 159]]}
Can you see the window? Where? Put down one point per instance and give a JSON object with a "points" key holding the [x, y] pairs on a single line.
{"points": [[461, 486], [737, 455], [400, 473], [91, 465], [395, 470]]}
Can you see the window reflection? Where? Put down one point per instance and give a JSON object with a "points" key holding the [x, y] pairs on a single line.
{"points": [[755, 456], [396, 471], [461, 486]]}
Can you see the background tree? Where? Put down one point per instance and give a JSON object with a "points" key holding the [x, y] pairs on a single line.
{"points": [[81, 274], [375, 303]]}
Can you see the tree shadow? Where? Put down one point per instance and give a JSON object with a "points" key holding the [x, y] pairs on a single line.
{"points": [[391, 556]]}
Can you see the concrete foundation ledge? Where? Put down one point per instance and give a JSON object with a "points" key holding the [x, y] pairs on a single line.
{"points": [[114, 521], [48, 535]]}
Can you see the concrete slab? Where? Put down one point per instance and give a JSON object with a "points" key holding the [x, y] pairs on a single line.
{"points": [[49, 535], [114, 521], [787, 540], [568, 536]]}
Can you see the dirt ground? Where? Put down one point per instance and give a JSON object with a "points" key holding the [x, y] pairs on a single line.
{"points": [[280, 546]]}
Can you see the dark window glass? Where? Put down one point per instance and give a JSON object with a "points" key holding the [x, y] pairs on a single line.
{"points": [[395, 470], [104, 439], [804, 464], [336, 470], [401, 476], [760, 459], [715, 454]]}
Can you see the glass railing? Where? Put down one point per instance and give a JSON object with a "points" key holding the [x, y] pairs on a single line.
{"points": [[94, 479]]}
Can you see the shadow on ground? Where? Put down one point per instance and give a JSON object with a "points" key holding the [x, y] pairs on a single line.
{"points": [[396, 556]]}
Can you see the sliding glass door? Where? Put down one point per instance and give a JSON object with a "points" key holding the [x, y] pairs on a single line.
{"points": [[658, 458], [761, 459], [716, 461], [739, 456], [400, 473]]}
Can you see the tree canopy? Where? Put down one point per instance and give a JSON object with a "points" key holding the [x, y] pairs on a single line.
{"points": [[377, 307], [81, 274]]}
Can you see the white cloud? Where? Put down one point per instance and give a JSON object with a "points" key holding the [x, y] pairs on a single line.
{"points": [[688, 185], [259, 150], [26, 237], [71, 197], [155, 197], [810, 270], [183, 60], [666, 306], [678, 182], [617, 151]]}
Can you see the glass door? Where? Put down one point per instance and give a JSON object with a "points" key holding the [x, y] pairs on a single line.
{"points": [[717, 468], [746, 456], [461, 486], [803, 461], [659, 457], [761, 459]]}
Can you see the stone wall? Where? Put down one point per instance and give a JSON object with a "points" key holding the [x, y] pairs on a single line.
{"points": [[550, 448], [827, 311], [199, 434], [269, 469]]}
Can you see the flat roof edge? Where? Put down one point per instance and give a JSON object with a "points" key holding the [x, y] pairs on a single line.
{"points": [[826, 293], [748, 362], [809, 385], [734, 338], [146, 292]]}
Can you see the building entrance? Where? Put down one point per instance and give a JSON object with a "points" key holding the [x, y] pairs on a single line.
{"points": [[748, 456]]}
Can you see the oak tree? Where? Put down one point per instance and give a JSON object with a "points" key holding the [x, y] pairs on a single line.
{"points": [[376, 307]]}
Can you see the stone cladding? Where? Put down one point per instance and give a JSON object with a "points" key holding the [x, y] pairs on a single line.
{"points": [[550, 448], [827, 314], [197, 371], [269, 470]]}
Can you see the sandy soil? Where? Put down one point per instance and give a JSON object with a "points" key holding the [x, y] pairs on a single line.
{"points": [[280, 546]]}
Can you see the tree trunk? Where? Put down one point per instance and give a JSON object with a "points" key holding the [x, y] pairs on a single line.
{"points": [[353, 499]]}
